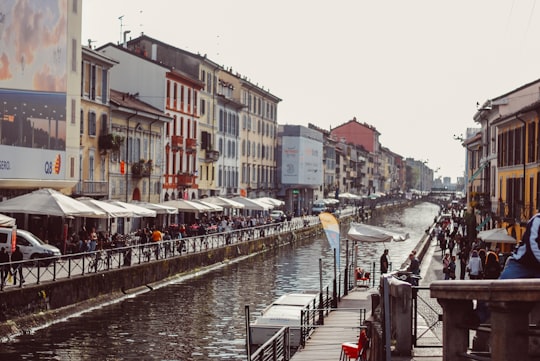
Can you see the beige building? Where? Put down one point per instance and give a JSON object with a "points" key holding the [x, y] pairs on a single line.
{"points": [[258, 139], [136, 168], [96, 142]]}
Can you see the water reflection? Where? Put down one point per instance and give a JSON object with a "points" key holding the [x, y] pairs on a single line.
{"points": [[203, 317]]}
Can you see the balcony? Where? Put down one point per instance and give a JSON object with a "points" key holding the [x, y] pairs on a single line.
{"points": [[109, 142], [211, 155], [91, 189], [191, 145], [177, 143], [184, 179], [141, 169]]}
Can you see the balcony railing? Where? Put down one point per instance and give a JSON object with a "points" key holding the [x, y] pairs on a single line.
{"points": [[191, 145], [110, 142], [177, 143], [91, 188], [211, 155], [515, 212], [141, 169], [184, 179]]}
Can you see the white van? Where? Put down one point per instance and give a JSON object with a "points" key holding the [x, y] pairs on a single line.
{"points": [[30, 245]]}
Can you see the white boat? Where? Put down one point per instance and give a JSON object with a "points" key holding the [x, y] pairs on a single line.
{"points": [[285, 311], [367, 233]]}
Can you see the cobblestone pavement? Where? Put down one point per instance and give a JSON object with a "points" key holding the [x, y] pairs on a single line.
{"points": [[431, 270]]}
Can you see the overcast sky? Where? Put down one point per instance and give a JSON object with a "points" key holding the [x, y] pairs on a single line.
{"points": [[412, 69]]}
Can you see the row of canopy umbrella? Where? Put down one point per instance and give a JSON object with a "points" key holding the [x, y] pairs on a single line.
{"points": [[51, 202], [351, 196]]}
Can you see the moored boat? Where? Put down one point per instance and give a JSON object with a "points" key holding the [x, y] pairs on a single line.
{"points": [[295, 310]]}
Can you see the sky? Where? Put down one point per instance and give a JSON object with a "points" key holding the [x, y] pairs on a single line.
{"points": [[414, 70]]}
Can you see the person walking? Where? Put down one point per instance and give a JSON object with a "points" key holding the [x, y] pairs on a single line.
{"points": [[384, 262], [475, 266], [17, 268], [463, 259], [492, 267], [452, 268], [4, 266], [446, 263]]}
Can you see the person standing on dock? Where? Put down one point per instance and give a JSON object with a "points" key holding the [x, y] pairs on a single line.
{"points": [[384, 262]]}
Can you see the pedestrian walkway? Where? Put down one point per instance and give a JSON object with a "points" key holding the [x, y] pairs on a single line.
{"points": [[343, 325]]}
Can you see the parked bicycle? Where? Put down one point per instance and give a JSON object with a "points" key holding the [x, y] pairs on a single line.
{"points": [[98, 262]]}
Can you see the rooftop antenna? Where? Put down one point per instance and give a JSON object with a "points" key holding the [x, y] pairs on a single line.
{"points": [[121, 17]]}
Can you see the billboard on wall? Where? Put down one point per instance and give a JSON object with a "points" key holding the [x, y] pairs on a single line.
{"points": [[33, 85], [301, 161]]}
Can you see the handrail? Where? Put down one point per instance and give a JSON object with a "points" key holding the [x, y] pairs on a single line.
{"points": [[275, 349], [50, 269]]}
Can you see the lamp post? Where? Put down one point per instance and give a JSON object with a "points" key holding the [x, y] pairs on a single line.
{"points": [[422, 176]]}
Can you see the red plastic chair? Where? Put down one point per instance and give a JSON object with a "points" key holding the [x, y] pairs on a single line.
{"points": [[351, 351]]}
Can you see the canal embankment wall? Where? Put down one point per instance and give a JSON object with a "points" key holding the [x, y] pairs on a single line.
{"points": [[23, 309]]}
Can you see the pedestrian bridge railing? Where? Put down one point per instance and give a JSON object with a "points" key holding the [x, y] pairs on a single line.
{"points": [[503, 314]]}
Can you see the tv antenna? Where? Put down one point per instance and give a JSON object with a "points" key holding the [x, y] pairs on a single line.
{"points": [[121, 17]]}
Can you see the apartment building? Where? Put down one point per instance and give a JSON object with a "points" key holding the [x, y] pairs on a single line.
{"points": [[96, 141]]}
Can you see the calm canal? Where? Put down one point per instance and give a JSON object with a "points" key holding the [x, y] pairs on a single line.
{"points": [[201, 317]]}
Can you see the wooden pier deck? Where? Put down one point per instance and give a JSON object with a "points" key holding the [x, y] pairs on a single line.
{"points": [[341, 325]]}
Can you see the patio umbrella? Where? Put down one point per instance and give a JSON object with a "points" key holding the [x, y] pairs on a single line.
{"points": [[253, 204], [48, 202], [111, 210], [214, 207], [367, 233], [159, 208], [272, 201], [184, 205], [6, 221], [136, 210], [224, 202], [496, 235]]}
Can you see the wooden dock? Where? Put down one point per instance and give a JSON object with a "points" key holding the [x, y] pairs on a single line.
{"points": [[341, 325]]}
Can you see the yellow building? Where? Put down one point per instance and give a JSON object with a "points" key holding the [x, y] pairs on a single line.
{"points": [[508, 167]]}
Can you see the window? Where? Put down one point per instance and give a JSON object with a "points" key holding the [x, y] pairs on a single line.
{"points": [[104, 86], [203, 107], [92, 94], [104, 124], [91, 166], [74, 50], [91, 123], [73, 111], [72, 167], [82, 122]]}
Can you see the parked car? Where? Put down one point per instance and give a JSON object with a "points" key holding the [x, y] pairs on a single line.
{"points": [[318, 208], [30, 245], [278, 215]]}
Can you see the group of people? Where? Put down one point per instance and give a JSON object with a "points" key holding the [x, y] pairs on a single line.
{"points": [[8, 269], [474, 258]]}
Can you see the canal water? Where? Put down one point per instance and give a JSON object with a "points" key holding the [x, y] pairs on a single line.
{"points": [[201, 317]]}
